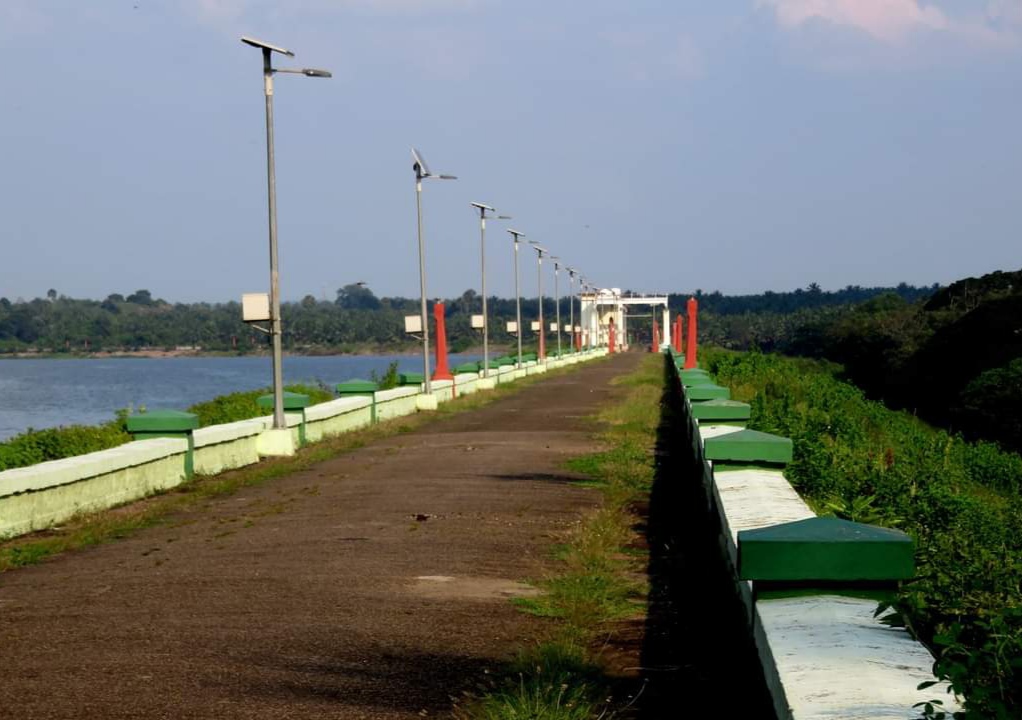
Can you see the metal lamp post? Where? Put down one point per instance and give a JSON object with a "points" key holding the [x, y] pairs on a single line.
{"points": [[482, 262], [539, 275], [421, 173], [557, 301], [518, 296], [571, 305], [271, 185]]}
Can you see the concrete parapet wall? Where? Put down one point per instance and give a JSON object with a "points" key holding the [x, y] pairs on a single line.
{"points": [[43, 495], [228, 446], [823, 655]]}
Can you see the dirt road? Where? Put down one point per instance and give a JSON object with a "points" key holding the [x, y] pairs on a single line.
{"points": [[374, 585]]}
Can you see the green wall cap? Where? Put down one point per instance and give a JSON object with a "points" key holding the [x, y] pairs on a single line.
{"points": [[528, 357], [357, 387], [410, 378], [693, 372], [749, 446], [825, 549], [292, 401], [699, 393], [493, 364], [505, 361], [467, 368], [162, 421], [721, 410]]}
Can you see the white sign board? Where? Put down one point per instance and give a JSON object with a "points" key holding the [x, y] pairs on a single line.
{"points": [[553, 327], [255, 307], [567, 328], [535, 325], [477, 322], [413, 324], [512, 327]]}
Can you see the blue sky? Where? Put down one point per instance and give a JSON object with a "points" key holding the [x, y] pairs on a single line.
{"points": [[740, 145]]}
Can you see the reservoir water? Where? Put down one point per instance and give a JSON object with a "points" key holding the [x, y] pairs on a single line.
{"points": [[49, 393]]}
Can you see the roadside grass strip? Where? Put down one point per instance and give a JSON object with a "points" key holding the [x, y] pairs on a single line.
{"points": [[600, 577]]}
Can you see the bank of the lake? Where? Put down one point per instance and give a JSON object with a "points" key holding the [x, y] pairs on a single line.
{"points": [[41, 393]]}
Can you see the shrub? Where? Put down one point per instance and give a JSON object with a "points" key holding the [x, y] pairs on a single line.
{"points": [[958, 500]]}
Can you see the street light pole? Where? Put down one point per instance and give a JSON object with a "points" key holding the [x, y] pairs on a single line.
{"points": [[571, 307], [482, 261], [422, 172], [539, 274], [557, 302], [276, 332], [518, 296]]}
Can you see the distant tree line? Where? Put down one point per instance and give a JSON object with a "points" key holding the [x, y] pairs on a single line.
{"points": [[953, 357], [356, 320]]}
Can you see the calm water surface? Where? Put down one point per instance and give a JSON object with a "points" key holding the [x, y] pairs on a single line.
{"points": [[47, 393]]}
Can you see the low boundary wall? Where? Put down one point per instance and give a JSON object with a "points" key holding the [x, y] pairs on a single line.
{"points": [[824, 655], [44, 495]]}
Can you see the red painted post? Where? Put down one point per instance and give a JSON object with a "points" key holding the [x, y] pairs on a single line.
{"points": [[679, 334], [542, 337], [656, 337], [611, 338], [690, 347], [441, 372]]}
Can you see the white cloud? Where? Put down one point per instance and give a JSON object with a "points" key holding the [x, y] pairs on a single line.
{"points": [[999, 23]]}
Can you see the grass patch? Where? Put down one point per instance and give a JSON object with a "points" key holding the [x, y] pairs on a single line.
{"points": [[597, 582]]}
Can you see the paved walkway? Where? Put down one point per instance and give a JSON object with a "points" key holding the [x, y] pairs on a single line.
{"points": [[374, 585]]}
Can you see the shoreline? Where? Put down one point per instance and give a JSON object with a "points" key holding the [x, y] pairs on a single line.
{"points": [[190, 353]]}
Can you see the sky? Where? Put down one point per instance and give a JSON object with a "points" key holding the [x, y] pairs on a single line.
{"points": [[661, 146]]}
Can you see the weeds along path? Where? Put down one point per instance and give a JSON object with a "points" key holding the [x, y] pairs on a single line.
{"points": [[372, 585]]}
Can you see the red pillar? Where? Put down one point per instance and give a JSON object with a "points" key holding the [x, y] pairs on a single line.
{"points": [[678, 333], [441, 372], [610, 337], [690, 347], [578, 339], [542, 337], [656, 337]]}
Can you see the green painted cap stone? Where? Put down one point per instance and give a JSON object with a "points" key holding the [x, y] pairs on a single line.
{"points": [[467, 368], [528, 357], [357, 387], [157, 421], [748, 446], [721, 410], [699, 393], [410, 378], [825, 549], [694, 374], [493, 364], [505, 361], [292, 401]]}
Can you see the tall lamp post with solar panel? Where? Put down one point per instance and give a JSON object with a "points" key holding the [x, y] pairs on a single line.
{"points": [[557, 301], [518, 296], [422, 172], [269, 71], [539, 275], [571, 306], [483, 209]]}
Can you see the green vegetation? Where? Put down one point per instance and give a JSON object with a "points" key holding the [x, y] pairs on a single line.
{"points": [[356, 321], [898, 347], [599, 579], [960, 501], [36, 446], [244, 405], [389, 379]]}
